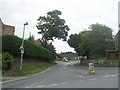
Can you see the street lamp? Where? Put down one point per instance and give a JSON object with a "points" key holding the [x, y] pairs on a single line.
{"points": [[22, 46]]}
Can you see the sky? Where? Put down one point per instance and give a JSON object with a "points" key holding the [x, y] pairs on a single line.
{"points": [[78, 14]]}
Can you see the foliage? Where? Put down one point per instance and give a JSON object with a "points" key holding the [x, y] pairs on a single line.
{"points": [[52, 26], [31, 38], [49, 47], [7, 61], [73, 41], [95, 41], [12, 44]]}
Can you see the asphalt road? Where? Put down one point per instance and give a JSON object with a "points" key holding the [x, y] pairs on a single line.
{"points": [[66, 75]]}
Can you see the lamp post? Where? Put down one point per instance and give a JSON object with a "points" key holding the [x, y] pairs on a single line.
{"points": [[22, 46]]}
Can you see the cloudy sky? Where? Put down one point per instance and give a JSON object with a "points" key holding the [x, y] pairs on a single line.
{"points": [[78, 14]]}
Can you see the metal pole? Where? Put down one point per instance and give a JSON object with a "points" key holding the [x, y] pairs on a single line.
{"points": [[21, 61], [22, 49]]}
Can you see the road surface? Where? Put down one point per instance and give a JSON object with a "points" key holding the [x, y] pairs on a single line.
{"points": [[66, 75]]}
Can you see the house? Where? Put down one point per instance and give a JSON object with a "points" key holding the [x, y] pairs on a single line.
{"points": [[70, 55], [112, 54], [38, 42], [6, 29]]}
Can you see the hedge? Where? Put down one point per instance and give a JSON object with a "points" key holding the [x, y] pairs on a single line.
{"points": [[12, 44]]}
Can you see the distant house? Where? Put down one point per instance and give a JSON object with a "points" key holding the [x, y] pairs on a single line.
{"points": [[70, 55], [6, 29], [38, 42], [112, 54]]}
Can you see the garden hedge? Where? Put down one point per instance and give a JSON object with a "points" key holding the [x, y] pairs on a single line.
{"points": [[12, 44]]}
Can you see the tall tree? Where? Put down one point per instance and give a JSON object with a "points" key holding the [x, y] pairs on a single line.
{"points": [[52, 26], [98, 39]]}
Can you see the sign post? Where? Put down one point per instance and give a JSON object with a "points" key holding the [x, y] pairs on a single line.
{"points": [[22, 52]]}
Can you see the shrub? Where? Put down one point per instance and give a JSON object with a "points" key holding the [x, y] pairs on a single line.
{"points": [[7, 61]]}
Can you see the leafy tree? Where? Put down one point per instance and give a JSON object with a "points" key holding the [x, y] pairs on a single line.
{"points": [[73, 41], [93, 42], [101, 40], [52, 26]]}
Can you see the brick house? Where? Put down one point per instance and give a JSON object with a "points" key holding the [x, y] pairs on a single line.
{"points": [[6, 29]]}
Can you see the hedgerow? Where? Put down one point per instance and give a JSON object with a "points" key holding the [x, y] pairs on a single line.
{"points": [[12, 44]]}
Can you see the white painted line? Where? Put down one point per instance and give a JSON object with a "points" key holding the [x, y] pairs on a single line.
{"points": [[113, 75], [107, 76], [40, 86], [80, 81], [27, 87], [64, 83], [93, 78], [52, 84]]}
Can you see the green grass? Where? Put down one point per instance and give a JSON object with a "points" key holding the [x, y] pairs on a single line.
{"points": [[29, 69]]}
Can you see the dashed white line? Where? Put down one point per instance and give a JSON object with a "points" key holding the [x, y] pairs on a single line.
{"points": [[52, 84], [107, 76], [27, 87], [93, 78], [64, 83], [40, 86]]}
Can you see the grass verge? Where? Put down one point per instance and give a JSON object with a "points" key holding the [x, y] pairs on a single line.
{"points": [[28, 69]]}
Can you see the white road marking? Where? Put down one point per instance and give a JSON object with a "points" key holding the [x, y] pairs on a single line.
{"points": [[64, 83], [93, 78], [27, 87], [113, 75], [40, 86], [81, 81], [107, 76], [52, 84]]}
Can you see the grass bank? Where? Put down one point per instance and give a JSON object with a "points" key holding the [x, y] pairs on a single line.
{"points": [[28, 69]]}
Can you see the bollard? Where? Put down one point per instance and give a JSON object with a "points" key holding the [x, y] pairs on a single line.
{"points": [[91, 68]]}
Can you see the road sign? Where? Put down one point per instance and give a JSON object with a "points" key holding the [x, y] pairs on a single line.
{"points": [[21, 47]]}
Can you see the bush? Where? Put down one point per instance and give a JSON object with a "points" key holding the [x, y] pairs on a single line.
{"points": [[7, 61]]}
